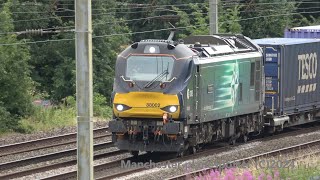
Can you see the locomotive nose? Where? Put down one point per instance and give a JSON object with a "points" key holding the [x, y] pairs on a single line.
{"points": [[146, 105]]}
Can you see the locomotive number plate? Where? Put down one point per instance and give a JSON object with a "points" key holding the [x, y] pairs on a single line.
{"points": [[153, 105]]}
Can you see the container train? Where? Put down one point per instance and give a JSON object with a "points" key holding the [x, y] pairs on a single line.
{"points": [[176, 96], [303, 32]]}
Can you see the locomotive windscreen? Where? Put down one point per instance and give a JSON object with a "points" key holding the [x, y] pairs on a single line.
{"points": [[146, 68]]}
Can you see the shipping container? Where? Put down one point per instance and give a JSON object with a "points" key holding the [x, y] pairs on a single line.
{"points": [[303, 32], [291, 74]]}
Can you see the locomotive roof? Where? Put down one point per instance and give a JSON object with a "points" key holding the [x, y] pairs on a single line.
{"points": [[284, 41], [160, 48], [220, 44]]}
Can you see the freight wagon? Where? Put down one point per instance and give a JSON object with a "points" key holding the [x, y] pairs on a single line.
{"points": [[292, 91], [303, 32]]}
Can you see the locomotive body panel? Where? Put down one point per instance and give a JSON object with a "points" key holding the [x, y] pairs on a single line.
{"points": [[230, 85]]}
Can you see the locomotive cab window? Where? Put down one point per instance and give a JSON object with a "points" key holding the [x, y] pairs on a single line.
{"points": [[146, 68], [190, 70]]}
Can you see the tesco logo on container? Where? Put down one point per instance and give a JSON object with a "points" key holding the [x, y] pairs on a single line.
{"points": [[307, 66]]}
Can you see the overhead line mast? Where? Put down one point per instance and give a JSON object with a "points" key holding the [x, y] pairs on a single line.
{"points": [[213, 16], [84, 89]]}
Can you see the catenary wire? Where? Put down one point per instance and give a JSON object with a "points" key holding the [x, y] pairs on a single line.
{"points": [[151, 17], [157, 30]]}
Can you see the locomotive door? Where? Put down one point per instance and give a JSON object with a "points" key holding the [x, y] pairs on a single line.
{"points": [[197, 95], [193, 94]]}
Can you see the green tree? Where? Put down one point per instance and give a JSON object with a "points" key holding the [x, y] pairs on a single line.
{"points": [[229, 19], [266, 18], [194, 17], [147, 13], [106, 47], [197, 21], [54, 67], [15, 83], [309, 13], [309, 9], [54, 62]]}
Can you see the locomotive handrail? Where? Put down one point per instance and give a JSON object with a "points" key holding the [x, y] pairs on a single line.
{"points": [[127, 80], [174, 78]]}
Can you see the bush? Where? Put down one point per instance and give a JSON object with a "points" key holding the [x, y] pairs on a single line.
{"points": [[47, 118], [100, 107], [6, 120], [50, 117]]}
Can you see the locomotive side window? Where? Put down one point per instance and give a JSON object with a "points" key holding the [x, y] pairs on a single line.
{"points": [[252, 69], [146, 68], [240, 92]]}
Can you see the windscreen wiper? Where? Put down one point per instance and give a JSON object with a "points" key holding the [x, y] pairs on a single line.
{"points": [[161, 75]]}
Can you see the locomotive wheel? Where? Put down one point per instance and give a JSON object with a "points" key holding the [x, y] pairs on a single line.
{"points": [[245, 138], [180, 153], [149, 152], [134, 153], [193, 150], [232, 141]]}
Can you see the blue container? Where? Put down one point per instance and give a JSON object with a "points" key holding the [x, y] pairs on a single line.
{"points": [[292, 79], [303, 32]]}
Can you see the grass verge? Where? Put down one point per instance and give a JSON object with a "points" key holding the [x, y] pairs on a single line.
{"points": [[47, 118], [307, 168]]}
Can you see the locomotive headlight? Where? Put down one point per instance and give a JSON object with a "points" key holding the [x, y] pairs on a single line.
{"points": [[173, 109], [151, 49], [170, 109], [120, 107]]}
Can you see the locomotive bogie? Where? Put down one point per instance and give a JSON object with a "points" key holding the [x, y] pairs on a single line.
{"points": [[148, 135]]}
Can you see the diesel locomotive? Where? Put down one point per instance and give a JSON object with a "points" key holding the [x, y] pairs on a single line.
{"points": [[175, 96]]}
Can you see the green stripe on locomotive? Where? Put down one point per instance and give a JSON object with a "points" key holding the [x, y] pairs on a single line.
{"points": [[229, 86]]}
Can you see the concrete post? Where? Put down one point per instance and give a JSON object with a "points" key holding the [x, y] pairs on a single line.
{"points": [[213, 16], [84, 89]]}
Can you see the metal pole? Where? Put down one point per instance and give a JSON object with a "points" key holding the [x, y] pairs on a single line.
{"points": [[213, 16], [84, 89]]}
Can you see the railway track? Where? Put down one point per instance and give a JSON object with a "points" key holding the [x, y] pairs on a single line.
{"points": [[46, 143], [205, 152], [97, 169], [49, 142], [255, 157], [140, 169], [53, 156], [100, 169], [48, 157]]}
